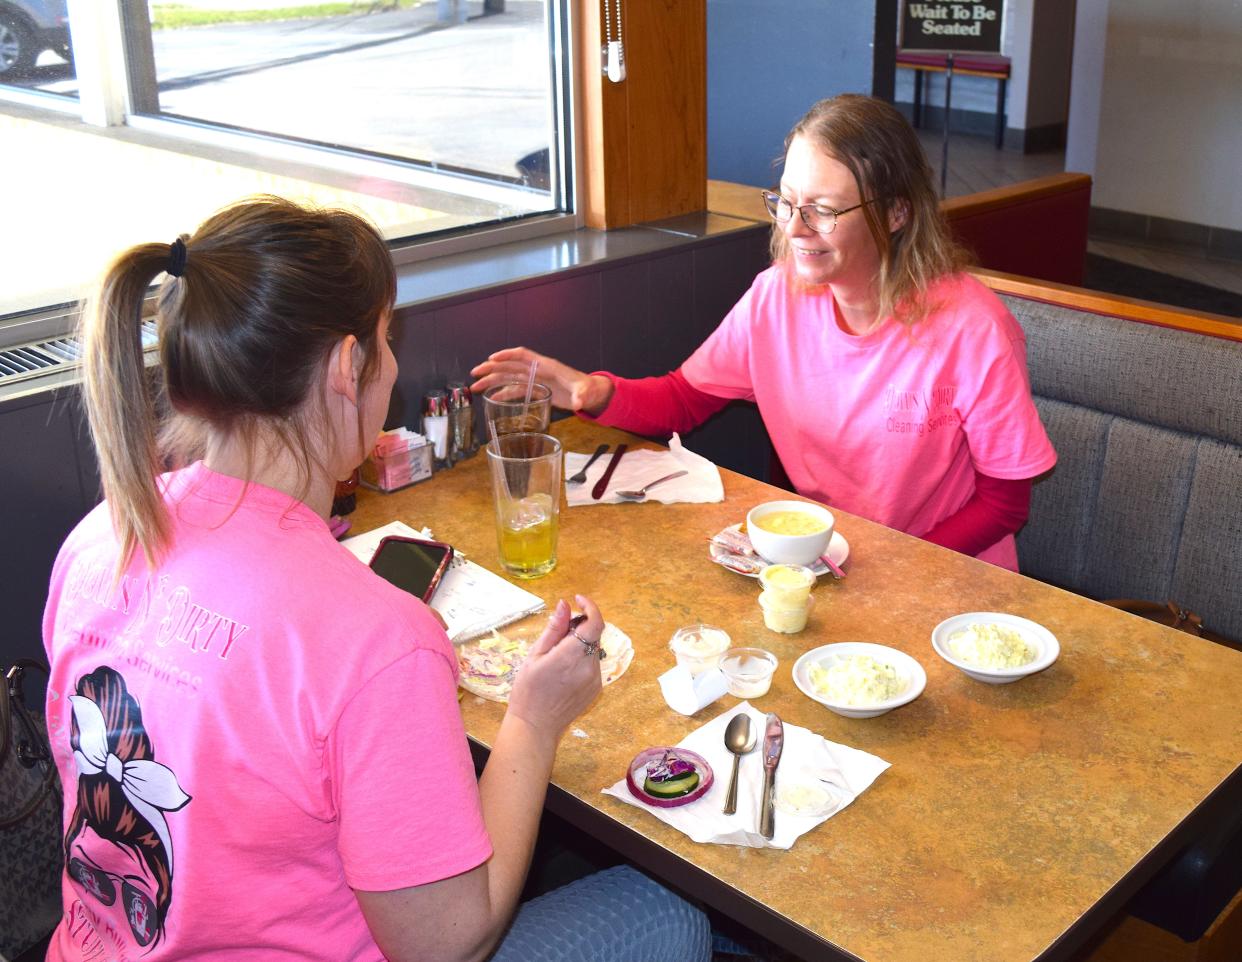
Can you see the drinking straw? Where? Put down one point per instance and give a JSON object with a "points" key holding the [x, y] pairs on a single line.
{"points": [[504, 468], [530, 386]]}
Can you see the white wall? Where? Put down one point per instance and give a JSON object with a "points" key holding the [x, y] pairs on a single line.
{"points": [[1169, 136]]}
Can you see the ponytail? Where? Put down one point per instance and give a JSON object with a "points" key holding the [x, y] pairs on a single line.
{"points": [[119, 403], [249, 314]]}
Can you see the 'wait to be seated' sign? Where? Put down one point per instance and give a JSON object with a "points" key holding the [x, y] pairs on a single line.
{"points": [[949, 26]]}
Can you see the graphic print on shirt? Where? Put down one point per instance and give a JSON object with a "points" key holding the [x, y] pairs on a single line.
{"points": [[919, 411], [118, 850]]}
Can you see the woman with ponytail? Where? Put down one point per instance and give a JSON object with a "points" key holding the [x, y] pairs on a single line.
{"points": [[259, 739]]}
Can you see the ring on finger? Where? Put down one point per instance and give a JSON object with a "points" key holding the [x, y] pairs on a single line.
{"points": [[588, 647]]}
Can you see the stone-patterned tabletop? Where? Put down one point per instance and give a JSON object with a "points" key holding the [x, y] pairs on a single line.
{"points": [[1009, 812]]}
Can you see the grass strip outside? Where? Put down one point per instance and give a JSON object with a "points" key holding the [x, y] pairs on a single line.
{"points": [[169, 16]]}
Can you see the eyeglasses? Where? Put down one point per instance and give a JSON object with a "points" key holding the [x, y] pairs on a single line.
{"points": [[821, 219], [139, 909]]}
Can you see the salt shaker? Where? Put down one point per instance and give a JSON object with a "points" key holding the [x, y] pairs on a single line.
{"points": [[436, 427], [461, 421]]}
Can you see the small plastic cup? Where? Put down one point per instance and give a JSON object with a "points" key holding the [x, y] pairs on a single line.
{"points": [[748, 671], [787, 585], [787, 620], [699, 647]]}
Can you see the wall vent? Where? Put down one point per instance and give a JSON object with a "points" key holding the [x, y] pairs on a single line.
{"points": [[39, 358]]}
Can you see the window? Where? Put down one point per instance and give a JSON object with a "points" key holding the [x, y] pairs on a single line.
{"points": [[432, 117]]}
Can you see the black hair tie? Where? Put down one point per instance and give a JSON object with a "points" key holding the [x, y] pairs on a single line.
{"points": [[176, 257]]}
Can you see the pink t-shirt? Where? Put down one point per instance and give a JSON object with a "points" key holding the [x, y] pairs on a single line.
{"points": [[283, 723], [892, 424]]}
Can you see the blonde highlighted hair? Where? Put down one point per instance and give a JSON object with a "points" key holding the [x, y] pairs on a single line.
{"points": [[267, 289], [882, 152]]}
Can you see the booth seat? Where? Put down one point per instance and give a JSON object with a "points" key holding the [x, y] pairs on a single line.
{"points": [[1144, 406], [1036, 228]]}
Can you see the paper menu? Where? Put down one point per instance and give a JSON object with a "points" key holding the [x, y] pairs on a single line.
{"points": [[471, 600]]}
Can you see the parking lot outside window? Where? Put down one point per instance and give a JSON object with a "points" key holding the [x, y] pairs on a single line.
{"points": [[434, 118]]}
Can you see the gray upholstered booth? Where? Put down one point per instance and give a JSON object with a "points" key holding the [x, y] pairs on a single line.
{"points": [[1146, 499]]}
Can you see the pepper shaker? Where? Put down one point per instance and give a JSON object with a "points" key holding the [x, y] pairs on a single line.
{"points": [[436, 427], [461, 420]]}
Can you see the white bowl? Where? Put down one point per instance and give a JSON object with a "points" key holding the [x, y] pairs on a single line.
{"points": [[908, 670], [790, 549], [1037, 636]]}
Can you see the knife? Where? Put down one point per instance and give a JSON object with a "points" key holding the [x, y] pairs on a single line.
{"points": [[773, 742], [601, 485]]}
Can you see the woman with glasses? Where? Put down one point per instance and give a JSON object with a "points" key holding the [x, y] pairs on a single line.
{"points": [[892, 384]]}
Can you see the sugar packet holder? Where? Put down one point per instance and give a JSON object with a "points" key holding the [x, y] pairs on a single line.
{"points": [[401, 457]]}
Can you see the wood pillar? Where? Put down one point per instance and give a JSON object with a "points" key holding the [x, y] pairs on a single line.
{"points": [[644, 139]]}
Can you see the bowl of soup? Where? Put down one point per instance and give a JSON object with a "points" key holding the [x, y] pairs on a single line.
{"points": [[790, 532]]}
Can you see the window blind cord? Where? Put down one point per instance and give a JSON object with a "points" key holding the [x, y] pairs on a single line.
{"points": [[614, 50]]}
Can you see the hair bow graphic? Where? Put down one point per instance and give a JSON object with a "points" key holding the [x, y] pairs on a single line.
{"points": [[151, 788]]}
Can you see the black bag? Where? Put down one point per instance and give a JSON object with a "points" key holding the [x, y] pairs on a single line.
{"points": [[31, 857]]}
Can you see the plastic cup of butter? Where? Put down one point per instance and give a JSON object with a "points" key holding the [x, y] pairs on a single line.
{"points": [[787, 585], [699, 647], [786, 619]]}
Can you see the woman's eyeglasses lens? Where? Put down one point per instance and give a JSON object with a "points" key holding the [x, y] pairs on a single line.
{"points": [[822, 220]]}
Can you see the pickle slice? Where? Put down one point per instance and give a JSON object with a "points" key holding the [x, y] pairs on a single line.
{"points": [[683, 784]]}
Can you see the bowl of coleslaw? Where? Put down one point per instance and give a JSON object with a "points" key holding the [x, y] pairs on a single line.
{"points": [[858, 679], [995, 647]]}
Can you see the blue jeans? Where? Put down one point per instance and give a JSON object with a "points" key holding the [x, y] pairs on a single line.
{"points": [[617, 915]]}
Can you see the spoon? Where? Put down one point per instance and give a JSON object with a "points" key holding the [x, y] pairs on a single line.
{"points": [[642, 492], [739, 738], [581, 475]]}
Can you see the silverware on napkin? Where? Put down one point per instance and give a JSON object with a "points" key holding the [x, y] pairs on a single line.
{"points": [[601, 485], [773, 742], [580, 477]]}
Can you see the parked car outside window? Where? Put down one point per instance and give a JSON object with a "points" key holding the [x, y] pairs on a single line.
{"points": [[29, 27]]}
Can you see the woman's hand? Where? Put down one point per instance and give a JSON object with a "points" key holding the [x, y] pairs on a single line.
{"points": [[559, 678], [571, 389]]}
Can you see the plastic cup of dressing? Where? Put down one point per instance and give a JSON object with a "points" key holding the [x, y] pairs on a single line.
{"points": [[787, 586]]}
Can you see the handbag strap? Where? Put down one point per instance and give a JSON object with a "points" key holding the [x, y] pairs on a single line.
{"points": [[30, 748], [1170, 613]]}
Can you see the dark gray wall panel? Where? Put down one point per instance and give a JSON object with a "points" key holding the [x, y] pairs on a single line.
{"points": [[419, 371], [625, 311], [467, 332], [671, 334], [42, 501], [560, 319], [722, 273]]}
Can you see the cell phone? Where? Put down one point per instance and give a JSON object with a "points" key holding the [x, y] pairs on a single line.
{"points": [[412, 564]]}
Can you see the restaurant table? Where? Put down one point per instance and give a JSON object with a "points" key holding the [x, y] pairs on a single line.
{"points": [[1015, 820]]}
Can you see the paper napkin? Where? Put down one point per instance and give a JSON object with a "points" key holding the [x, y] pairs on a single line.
{"points": [[638, 467], [845, 772]]}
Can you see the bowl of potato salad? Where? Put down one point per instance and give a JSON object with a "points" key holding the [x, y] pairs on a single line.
{"points": [[994, 647]]}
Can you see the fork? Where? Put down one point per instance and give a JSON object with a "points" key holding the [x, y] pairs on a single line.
{"points": [[641, 493], [581, 475]]}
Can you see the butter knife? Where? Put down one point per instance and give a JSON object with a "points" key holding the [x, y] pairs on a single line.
{"points": [[773, 742], [601, 485]]}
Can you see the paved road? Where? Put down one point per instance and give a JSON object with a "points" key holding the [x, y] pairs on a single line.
{"points": [[474, 95]]}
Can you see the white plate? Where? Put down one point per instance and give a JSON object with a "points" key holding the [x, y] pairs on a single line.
{"points": [[838, 551], [908, 670], [1036, 635]]}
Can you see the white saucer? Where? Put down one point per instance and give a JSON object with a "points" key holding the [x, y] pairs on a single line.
{"points": [[838, 551]]}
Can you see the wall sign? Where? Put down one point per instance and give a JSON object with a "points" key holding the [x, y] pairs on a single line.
{"points": [[950, 26]]}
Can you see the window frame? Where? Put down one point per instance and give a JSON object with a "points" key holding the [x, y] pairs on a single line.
{"points": [[114, 93]]}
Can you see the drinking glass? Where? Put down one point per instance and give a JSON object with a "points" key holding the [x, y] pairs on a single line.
{"points": [[507, 411], [526, 490]]}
